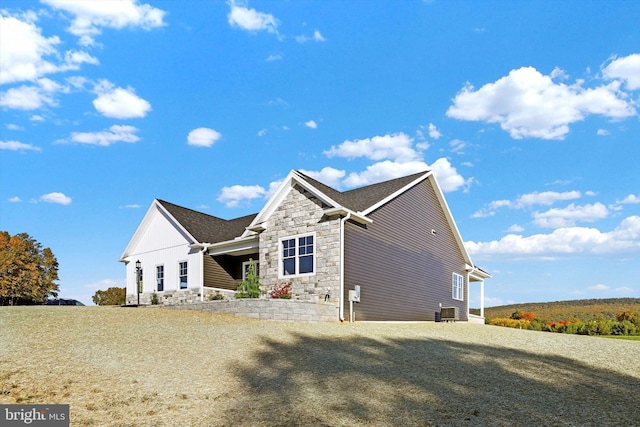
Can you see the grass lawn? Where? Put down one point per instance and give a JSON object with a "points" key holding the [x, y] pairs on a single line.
{"points": [[159, 367]]}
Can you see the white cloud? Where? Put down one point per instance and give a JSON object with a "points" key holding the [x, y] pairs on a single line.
{"points": [[563, 241], [119, 103], [316, 37], [203, 137], [12, 126], [116, 133], [15, 199], [91, 16], [599, 287], [567, 217], [527, 103], [545, 198], [24, 50], [250, 19], [36, 118], [232, 196], [630, 199], [273, 57], [434, 132], [132, 206], [515, 228], [55, 197], [602, 132], [25, 98], [626, 68], [383, 171], [17, 146], [262, 132], [328, 176], [397, 147], [311, 124], [458, 146], [448, 177]]}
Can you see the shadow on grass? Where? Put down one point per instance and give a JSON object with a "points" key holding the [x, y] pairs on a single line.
{"points": [[316, 381]]}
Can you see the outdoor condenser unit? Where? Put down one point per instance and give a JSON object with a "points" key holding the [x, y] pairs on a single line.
{"points": [[449, 314]]}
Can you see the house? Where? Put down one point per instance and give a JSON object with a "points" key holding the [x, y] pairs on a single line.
{"points": [[396, 240]]}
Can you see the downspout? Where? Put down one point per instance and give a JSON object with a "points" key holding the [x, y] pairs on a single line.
{"points": [[341, 300]]}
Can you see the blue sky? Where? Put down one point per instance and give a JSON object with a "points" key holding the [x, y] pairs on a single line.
{"points": [[526, 111]]}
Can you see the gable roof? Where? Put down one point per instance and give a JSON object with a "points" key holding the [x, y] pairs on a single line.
{"points": [[362, 198], [207, 228]]}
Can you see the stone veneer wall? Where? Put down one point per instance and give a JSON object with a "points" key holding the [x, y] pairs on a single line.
{"points": [[268, 309], [174, 297], [301, 213]]}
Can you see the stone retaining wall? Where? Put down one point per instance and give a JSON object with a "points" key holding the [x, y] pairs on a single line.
{"points": [[267, 309]]}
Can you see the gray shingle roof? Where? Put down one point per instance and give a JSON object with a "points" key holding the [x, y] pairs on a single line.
{"points": [[362, 198], [211, 229], [207, 228]]}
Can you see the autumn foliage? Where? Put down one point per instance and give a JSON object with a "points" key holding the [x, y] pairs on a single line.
{"points": [[28, 272], [112, 296]]}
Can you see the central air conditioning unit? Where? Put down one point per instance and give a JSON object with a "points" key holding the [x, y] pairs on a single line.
{"points": [[449, 314]]}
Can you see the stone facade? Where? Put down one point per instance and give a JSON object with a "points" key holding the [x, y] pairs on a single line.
{"points": [[174, 297], [268, 309], [301, 213]]}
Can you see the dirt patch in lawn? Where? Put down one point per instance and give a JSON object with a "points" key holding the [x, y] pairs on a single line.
{"points": [[138, 366]]}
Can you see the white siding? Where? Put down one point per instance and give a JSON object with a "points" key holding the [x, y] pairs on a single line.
{"points": [[161, 242]]}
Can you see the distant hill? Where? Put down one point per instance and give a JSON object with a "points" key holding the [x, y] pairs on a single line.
{"points": [[584, 309]]}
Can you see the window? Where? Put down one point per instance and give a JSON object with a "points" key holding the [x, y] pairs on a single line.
{"points": [[183, 275], [245, 268], [160, 277], [298, 255], [458, 287]]}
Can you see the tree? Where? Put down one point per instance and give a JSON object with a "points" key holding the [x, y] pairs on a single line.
{"points": [[112, 296], [27, 271]]}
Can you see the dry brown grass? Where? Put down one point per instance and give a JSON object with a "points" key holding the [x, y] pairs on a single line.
{"points": [[153, 366]]}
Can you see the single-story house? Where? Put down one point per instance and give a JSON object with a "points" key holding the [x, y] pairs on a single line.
{"points": [[396, 240]]}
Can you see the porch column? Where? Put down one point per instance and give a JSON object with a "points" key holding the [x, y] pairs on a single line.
{"points": [[482, 298]]}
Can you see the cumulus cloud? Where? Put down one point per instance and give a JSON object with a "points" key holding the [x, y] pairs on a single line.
{"points": [[630, 199], [397, 147], [91, 17], [626, 68], [383, 171], [311, 124], [599, 287], [327, 175], [17, 146], [28, 55], [528, 104], [57, 198], [119, 103], [116, 133], [15, 199], [563, 241], [544, 198], [233, 195], [434, 132], [569, 216], [250, 19], [203, 137], [32, 97]]}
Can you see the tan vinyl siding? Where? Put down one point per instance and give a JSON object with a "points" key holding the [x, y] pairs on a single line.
{"points": [[403, 269], [224, 271]]}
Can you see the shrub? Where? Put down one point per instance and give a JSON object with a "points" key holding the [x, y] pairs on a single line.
{"points": [[154, 299], [511, 323], [282, 291], [215, 297], [527, 315], [249, 287]]}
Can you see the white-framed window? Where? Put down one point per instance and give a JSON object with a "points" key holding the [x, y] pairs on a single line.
{"points": [[182, 273], [160, 278], [245, 268], [458, 287], [298, 255]]}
